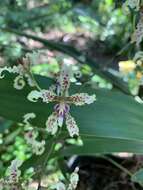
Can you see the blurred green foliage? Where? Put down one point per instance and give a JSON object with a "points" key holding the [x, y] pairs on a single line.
{"points": [[100, 19]]}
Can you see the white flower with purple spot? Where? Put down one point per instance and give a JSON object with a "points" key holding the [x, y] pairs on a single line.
{"points": [[37, 147], [60, 95], [61, 110], [74, 179], [13, 172], [30, 136], [23, 72], [52, 124]]}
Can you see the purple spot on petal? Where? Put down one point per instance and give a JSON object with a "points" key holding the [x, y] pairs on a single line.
{"points": [[61, 109]]}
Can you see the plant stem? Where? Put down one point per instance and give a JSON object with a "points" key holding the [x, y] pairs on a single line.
{"points": [[118, 165], [35, 82], [47, 158], [32, 78]]}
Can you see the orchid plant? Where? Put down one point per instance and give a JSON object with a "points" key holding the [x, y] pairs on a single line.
{"points": [[59, 95]]}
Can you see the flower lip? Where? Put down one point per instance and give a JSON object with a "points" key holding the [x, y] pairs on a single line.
{"points": [[61, 109]]}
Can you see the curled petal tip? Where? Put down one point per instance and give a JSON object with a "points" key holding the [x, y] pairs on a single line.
{"points": [[90, 99], [19, 82], [34, 95], [28, 117]]}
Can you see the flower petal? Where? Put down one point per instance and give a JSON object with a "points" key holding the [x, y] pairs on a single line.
{"points": [[13, 172], [52, 123], [133, 4], [48, 96], [64, 78], [138, 33], [14, 69], [38, 147], [27, 117], [59, 186], [19, 82], [15, 164], [74, 178], [34, 95], [82, 98], [72, 126]]}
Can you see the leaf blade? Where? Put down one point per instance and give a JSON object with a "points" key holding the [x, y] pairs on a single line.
{"points": [[114, 118]]}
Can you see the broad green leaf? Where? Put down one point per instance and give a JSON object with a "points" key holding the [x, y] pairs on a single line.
{"points": [[96, 145], [114, 123], [138, 177]]}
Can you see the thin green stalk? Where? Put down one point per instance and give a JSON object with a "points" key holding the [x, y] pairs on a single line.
{"points": [[118, 165], [32, 78], [134, 22], [47, 158]]}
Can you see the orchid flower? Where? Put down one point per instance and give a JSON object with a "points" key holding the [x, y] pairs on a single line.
{"points": [[13, 172], [37, 147], [12, 178], [74, 179], [22, 71], [60, 94], [30, 136]]}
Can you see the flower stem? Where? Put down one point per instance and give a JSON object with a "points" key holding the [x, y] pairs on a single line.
{"points": [[47, 158], [118, 165]]}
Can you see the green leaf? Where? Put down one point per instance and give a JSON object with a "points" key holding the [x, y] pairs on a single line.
{"points": [[4, 125], [114, 123], [103, 145], [138, 177]]}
